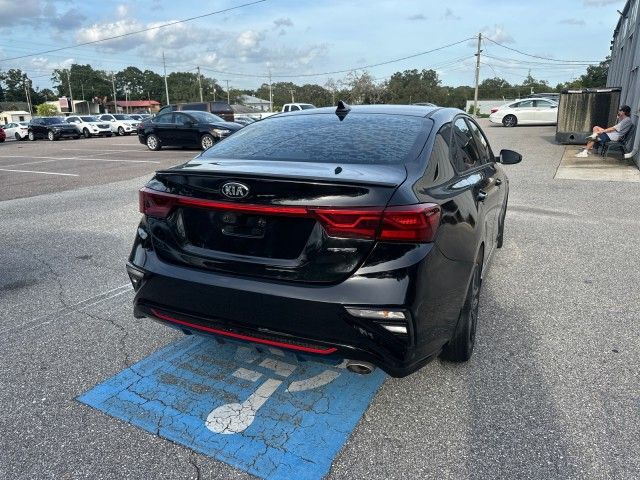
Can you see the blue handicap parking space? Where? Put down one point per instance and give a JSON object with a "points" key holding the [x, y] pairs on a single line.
{"points": [[272, 413]]}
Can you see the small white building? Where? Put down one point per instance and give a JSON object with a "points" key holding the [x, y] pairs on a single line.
{"points": [[80, 107], [485, 106], [255, 102], [11, 116]]}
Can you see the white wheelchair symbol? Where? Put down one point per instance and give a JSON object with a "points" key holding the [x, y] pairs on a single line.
{"points": [[237, 417]]}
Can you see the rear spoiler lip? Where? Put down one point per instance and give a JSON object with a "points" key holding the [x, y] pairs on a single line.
{"points": [[287, 178]]}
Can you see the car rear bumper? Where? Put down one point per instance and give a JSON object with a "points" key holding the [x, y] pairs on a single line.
{"points": [[312, 318]]}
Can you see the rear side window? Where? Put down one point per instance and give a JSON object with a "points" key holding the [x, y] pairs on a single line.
{"points": [[465, 151], [481, 143], [324, 138]]}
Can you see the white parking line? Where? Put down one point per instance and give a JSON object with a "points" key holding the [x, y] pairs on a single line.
{"points": [[27, 163], [84, 159], [103, 152], [43, 173]]}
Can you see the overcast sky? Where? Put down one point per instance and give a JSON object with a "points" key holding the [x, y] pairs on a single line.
{"points": [[293, 37]]}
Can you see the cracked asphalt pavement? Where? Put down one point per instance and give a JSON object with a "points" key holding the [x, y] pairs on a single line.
{"points": [[552, 391]]}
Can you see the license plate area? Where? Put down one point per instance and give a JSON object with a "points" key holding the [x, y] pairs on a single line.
{"points": [[242, 225], [242, 233]]}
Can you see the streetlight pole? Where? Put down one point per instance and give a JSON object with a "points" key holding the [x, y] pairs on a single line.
{"points": [[228, 96], [270, 93]]}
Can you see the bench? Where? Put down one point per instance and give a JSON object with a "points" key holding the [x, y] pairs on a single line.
{"points": [[625, 143]]}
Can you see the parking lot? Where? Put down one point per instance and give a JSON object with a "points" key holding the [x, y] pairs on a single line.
{"points": [[40, 167], [552, 391]]}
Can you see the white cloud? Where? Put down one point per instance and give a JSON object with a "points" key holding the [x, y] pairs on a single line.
{"points": [[122, 11], [282, 22], [497, 33]]}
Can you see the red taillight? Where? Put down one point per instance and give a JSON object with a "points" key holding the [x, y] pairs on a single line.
{"points": [[345, 223], [409, 223], [494, 109]]}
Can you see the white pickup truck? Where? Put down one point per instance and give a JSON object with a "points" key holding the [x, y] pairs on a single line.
{"points": [[292, 107]]}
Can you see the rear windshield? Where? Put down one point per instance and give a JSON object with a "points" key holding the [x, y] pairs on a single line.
{"points": [[206, 117], [89, 119], [358, 138], [122, 117]]}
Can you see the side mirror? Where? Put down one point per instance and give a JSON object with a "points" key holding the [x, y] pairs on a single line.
{"points": [[509, 157], [554, 106]]}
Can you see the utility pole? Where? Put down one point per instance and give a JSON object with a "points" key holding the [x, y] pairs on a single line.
{"points": [[71, 109], [166, 85], [214, 91], [82, 88], [200, 84], [113, 84], [27, 93], [270, 93], [228, 97], [475, 95], [292, 99]]}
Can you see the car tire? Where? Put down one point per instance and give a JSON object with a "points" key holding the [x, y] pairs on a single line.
{"points": [[120, 131], [153, 142], [31, 136], [51, 136], [86, 133], [207, 141], [460, 347], [17, 135], [108, 135], [76, 137], [2, 140], [510, 121]]}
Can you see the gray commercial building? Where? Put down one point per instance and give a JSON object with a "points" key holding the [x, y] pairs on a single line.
{"points": [[625, 62]]}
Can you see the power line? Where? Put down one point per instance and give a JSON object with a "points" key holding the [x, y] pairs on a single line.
{"points": [[538, 56], [341, 71], [135, 32], [534, 63]]}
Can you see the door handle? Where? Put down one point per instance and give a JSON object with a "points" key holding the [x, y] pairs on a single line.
{"points": [[481, 195], [498, 182]]}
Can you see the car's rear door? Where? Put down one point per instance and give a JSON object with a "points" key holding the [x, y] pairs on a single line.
{"points": [[164, 128], [477, 177]]}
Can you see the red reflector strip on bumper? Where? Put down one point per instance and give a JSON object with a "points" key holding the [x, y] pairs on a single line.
{"points": [[320, 351]]}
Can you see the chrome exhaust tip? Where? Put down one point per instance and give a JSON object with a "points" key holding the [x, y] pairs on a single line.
{"points": [[361, 368]]}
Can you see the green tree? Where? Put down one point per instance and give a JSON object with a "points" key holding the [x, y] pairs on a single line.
{"points": [[414, 86], [14, 85], [46, 110], [84, 80]]}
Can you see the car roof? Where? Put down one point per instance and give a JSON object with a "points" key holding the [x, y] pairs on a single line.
{"points": [[410, 110]]}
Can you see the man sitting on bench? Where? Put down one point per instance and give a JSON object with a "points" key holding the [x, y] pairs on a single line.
{"points": [[600, 135]]}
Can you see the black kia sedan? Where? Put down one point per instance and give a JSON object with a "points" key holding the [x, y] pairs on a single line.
{"points": [[52, 128], [184, 129], [362, 232]]}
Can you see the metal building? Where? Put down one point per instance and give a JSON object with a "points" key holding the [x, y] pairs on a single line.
{"points": [[625, 62]]}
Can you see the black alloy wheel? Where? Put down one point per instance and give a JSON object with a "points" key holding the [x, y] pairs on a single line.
{"points": [[86, 133], [17, 135], [460, 347], [510, 121]]}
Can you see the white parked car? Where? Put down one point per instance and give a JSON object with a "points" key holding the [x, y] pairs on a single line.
{"points": [[120, 124], [528, 111], [90, 126], [17, 130]]}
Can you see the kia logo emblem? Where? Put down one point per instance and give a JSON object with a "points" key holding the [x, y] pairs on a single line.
{"points": [[235, 190]]}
